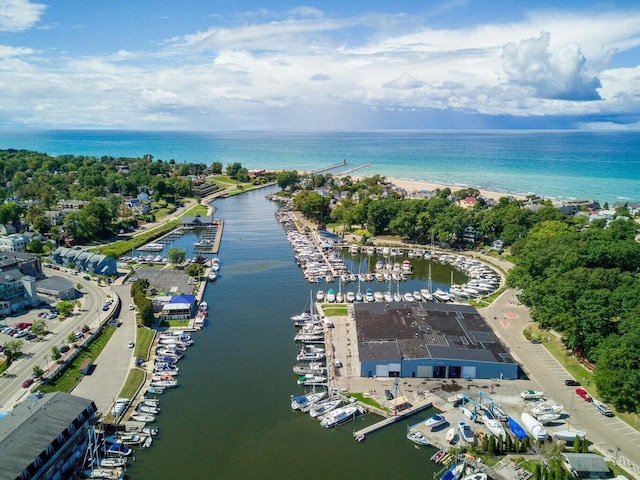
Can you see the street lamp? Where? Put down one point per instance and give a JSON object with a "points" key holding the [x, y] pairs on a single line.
{"points": [[46, 359]]}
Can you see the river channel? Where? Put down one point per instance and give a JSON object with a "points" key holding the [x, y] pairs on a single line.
{"points": [[231, 416]]}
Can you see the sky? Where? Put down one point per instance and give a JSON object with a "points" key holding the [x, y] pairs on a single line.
{"points": [[319, 66]]}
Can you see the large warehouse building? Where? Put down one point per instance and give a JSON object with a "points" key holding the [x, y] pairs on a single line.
{"points": [[429, 340]]}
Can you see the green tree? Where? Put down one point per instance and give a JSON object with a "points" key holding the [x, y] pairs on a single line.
{"points": [[195, 270], [35, 246], [312, 204], [233, 169], [287, 179], [39, 327], [13, 349], [216, 168], [55, 353], [71, 338], [176, 255], [65, 307], [37, 371]]}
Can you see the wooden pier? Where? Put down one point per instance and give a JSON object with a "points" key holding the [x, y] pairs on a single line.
{"points": [[418, 407], [354, 169], [326, 169]]}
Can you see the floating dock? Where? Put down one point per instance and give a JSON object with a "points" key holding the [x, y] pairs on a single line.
{"points": [[401, 415]]}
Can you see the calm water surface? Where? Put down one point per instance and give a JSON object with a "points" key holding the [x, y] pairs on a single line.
{"points": [[231, 416]]}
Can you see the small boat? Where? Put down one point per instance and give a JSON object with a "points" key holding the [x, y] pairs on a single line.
{"points": [[325, 406], [544, 408], [143, 417], [360, 438], [212, 276], [531, 394], [475, 476], [533, 426], [351, 297], [164, 383], [435, 421], [311, 379], [119, 449], [103, 473], [426, 295], [569, 435], [441, 296], [320, 296], [311, 367], [436, 457], [451, 435], [331, 296], [603, 408], [417, 437], [466, 434], [454, 473], [305, 402], [341, 415], [203, 306], [547, 417], [517, 430], [112, 462], [147, 409]]}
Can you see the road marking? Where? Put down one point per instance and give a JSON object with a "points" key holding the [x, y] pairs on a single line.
{"points": [[505, 323], [511, 315]]}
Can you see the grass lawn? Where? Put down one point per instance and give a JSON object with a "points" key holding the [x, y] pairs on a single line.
{"points": [[335, 310], [144, 338], [72, 375]]}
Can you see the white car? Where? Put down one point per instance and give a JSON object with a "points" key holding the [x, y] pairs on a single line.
{"points": [[131, 345], [130, 307]]}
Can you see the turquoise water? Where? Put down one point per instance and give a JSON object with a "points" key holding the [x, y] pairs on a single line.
{"points": [[230, 418], [604, 166]]}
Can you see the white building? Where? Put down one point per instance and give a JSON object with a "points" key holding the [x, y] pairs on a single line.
{"points": [[12, 243]]}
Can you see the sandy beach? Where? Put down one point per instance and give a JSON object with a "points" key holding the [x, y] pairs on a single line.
{"points": [[417, 186]]}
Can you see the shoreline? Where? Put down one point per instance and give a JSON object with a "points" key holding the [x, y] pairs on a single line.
{"points": [[412, 186]]}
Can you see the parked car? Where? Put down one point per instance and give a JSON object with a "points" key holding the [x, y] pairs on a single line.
{"points": [[30, 336], [571, 383], [582, 393], [27, 383], [64, 348], [131, 345]]}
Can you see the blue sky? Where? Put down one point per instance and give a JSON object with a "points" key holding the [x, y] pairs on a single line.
{"points": [[194, 65]]}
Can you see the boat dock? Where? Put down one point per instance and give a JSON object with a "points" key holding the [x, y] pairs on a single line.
{"points": [[400, 415]]}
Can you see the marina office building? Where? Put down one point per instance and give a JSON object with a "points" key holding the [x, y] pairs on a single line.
{"points": [[429, 340]]}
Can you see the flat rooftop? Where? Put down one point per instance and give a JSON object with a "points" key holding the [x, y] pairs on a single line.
{"points": [[426, 330]]}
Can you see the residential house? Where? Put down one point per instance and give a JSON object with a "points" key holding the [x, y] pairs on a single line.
{"points": [[12, 243]]}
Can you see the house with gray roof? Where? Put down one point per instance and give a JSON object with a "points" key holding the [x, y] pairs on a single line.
{"points": [[85, 261]]}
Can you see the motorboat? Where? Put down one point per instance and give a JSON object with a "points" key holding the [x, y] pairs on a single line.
{"points": [[569, 435], [341, 415], [441, 296], [305, 402], [435, 421], [143, 417], [453, 473], [119, 449], [112, 462], [545, 418], [203, 306], [320, 296], [451, 436], [212, 276], [325, 406], [164, 383], [533, 426], [155, 390], [475, 476], [546, 409], [493, 424], [417, 437], [603, 408], [311, 379], [103, 473], [531, 394], [350, 297], [426, 295], [517, 430], [330, 296], [466, 434], [147, 409], [309, 368], [305, 337]]}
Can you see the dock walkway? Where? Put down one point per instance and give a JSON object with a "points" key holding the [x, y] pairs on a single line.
{"points": [[415, 408]]}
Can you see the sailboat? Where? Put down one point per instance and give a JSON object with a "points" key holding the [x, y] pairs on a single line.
{"points": [[339, 295], [396, 296], [358, 296], [425, 293]]}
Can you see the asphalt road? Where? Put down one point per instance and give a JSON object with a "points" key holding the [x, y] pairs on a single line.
{"points": [[612, 436], [39, 352]]}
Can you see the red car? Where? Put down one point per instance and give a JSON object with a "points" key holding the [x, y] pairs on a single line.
{"points": [[582, 393], [27, 383]]}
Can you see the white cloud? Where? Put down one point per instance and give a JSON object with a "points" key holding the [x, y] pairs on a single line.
{"points": [[16, 15], [284, 71], [404, 82], [560, 76]]}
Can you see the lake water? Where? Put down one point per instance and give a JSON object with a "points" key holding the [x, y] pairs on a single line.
{"points": [[231, 416]]}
